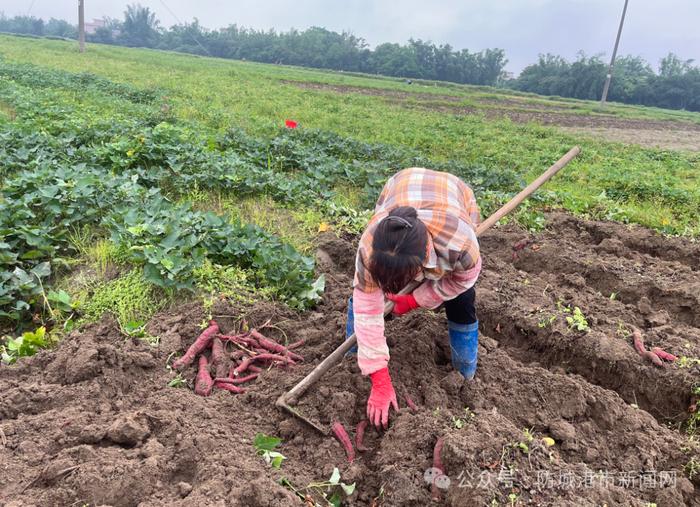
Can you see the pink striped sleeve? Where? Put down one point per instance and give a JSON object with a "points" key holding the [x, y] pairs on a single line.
{"points": [[432, 293], [372, 350]]}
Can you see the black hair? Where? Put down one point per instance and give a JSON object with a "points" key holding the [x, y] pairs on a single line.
{"points": [[398, 249]]}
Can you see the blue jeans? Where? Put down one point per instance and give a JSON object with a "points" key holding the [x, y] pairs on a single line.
{"points": [[350, 327]]}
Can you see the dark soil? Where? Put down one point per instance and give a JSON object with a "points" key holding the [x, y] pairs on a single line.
{"points": [[376, 92], [93, 422]]}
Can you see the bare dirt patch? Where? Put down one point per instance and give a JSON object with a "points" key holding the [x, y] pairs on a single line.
{"points": [[524, 103], [94, 422], [375, 92], [7, 111], [578, 120], [664, 139], [666, 134]]}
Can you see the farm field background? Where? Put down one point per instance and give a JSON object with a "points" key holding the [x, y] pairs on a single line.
{"points": [[143, 193], [657, 188]]}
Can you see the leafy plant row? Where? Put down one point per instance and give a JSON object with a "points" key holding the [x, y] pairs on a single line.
{"points": [[41, 208], [127, 179], [39, 77]]}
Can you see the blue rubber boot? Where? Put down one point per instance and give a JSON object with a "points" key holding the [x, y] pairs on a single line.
{"points": [[350, 329], [464, 344]]}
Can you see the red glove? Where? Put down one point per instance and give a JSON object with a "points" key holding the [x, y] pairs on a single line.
{"points": [[380, 398], [403, 303]]}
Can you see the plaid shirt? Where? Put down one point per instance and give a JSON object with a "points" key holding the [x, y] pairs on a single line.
{"points": [[446, 205]]}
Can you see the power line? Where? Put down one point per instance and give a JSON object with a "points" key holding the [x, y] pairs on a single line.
{"points": [[30, 7], [180, 22]]}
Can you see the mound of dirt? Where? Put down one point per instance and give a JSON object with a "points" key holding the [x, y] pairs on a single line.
{"points": [[94, 422]]}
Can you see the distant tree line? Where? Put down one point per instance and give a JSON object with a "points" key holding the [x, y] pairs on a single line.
{"points": [[37, 26], [314, 47], [676, 85]]}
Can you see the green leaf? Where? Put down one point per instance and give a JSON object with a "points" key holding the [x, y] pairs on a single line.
{"points": [[14, 344], [168, 263], [136, 230], [177, 382], [335, 500], [277, 458], [42, 270], [316, 291], [348, 488], [264, 442], [31, 255], [61, 299], [335, 476]]}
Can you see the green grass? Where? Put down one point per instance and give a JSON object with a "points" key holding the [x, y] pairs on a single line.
{"points": [[129, 298], [296, 226], [608, 180]]}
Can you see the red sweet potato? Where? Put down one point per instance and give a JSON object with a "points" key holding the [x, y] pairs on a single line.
{"points": [[519, 245], [296, 344], [237, 380], [344, 439], [359, 435], [653, 358], [409, 402], [218, 358], [437, 455], [662, 354], [240, 339], [237, 354], [200, 344], [203, 382], [437, 464], [638, 341], [229, 387], [274, 357], [241, 367], [273, 346], [641, 349]]}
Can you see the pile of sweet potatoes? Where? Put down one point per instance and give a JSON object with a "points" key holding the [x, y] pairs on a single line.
{"points": [[251, 352]]}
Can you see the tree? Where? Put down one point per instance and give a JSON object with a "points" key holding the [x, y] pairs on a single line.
{"points": [[672, 66], [631, 77], [188, 38], [394, 60], [140, 27], [490, 63], [22, 24], [61, 28], [107, 34], [677, 86]]}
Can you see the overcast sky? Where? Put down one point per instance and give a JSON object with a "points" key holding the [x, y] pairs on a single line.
{"points": [[524, 28]]}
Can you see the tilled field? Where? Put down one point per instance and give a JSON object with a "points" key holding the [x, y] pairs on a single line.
{"points": [[664, 134], [93, 422]]}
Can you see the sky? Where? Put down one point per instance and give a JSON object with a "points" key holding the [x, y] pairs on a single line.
{"points": [[523, 28]]}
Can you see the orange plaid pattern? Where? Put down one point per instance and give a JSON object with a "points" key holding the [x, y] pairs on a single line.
{"points": [[446, 205]]}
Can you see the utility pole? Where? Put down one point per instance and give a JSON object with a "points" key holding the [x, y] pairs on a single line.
{"points": [[608, 78], [81, 26]]}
